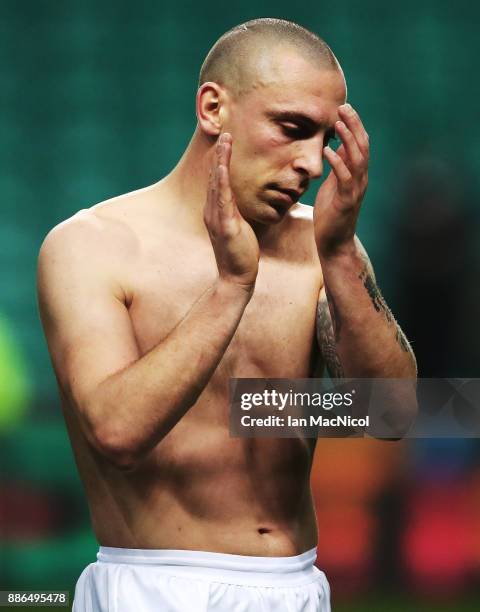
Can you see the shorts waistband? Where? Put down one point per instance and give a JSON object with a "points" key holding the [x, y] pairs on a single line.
{"points": [[214, 560]]}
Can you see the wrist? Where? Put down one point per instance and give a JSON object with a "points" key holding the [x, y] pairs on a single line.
{"points": [[341, 251], [232, 291]]}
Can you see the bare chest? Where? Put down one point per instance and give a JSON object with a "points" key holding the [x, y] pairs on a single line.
{"points": [[276, 334]]}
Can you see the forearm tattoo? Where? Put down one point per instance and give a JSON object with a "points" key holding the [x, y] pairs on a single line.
{"points": [[327, 338], [368, 278], [334, 315]]}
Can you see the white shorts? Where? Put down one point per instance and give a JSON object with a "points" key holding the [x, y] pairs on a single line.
{"points": [[134, 580]]}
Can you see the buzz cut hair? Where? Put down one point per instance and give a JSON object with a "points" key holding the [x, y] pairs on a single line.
{"points": [[231, 60]]}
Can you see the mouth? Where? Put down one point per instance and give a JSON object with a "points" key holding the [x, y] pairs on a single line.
{"points": [[289, 195]]}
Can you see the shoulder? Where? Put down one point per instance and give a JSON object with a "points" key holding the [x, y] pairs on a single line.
{"points": [[83, 229], [95, 245], [300, 239], [79, 247], [301, 214], [106, 228]]}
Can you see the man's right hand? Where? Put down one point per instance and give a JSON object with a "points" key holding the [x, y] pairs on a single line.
{"points": [[233, 239]]}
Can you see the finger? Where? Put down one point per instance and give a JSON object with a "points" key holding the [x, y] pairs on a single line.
{"points": [[214, 188], [355, 125], [224, 200], [227, 140], [342, 153], [341, 171], [356, 161], [207, 211], [363, 182], [225, 196]]}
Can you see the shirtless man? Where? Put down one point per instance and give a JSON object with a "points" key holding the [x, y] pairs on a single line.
{"points": [[146, 323]]}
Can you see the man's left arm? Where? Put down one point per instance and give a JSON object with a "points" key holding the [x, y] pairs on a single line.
{"points": [[359, 337], [357, 333]]}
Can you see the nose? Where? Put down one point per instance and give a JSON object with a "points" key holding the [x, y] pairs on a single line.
{"points": [[309, 158]]}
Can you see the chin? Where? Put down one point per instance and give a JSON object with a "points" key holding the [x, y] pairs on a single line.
{"points": [[273, 215], [266, 213]]}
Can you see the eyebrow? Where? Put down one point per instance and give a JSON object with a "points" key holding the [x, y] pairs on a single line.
{"points": [[303, 120]]}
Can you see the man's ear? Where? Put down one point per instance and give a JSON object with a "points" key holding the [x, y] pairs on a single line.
{"points": [[210, 109]]}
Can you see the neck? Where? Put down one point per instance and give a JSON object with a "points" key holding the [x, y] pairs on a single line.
{"points": [[188, 181]]}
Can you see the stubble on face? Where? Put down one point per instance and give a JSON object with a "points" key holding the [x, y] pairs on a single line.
{"points": [[262, 156]]}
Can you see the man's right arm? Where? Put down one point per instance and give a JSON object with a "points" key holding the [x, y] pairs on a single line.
{"points": [[126, 403]]}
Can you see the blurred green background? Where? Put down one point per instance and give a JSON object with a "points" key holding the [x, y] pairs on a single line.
{"points": [[97, 98]]}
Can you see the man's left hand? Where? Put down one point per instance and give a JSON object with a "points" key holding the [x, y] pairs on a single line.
{"points": [[338, 201]]}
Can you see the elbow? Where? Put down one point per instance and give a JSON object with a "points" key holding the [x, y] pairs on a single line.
{"points": [[117, 447], [123, 442], [113, 440], [402, 417], [394, 409]]}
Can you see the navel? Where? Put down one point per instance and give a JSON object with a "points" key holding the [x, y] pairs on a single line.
{"points": [[263, 530]]}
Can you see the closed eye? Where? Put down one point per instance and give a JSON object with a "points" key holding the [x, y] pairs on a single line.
{"points": [[298, 132], [302, 132]]}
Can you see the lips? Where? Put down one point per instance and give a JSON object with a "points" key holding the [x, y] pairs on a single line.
{"points": [[292, 193]]}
